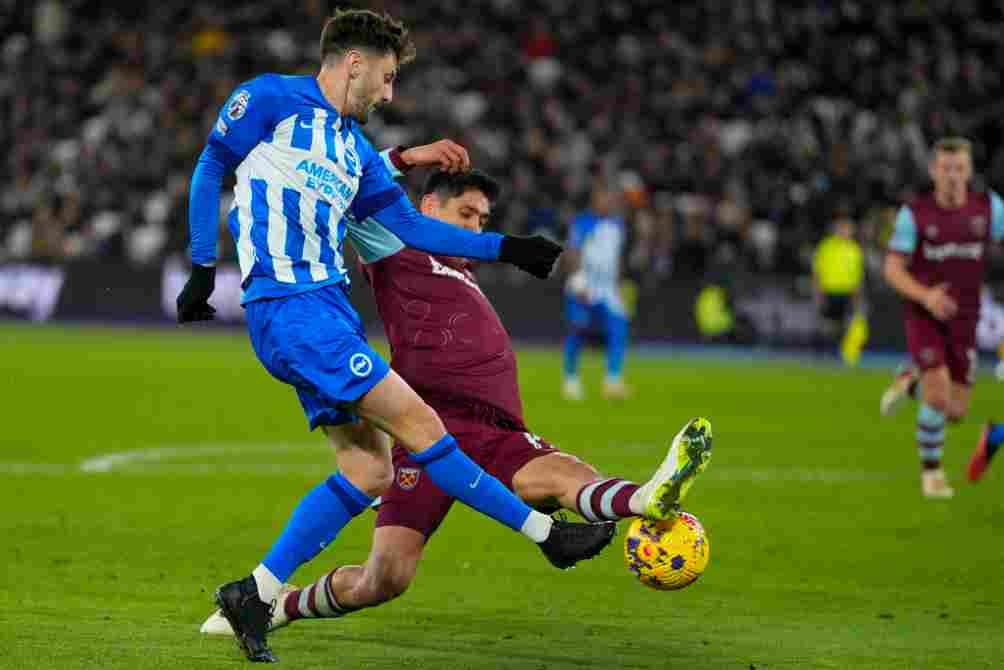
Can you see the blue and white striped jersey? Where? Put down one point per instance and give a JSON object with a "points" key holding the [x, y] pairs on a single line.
{"points": [[600, 241], [306, 177]]}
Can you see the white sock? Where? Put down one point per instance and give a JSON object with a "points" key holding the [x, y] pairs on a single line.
{"points": [[635, 502], [537, 526], [268, 584]]}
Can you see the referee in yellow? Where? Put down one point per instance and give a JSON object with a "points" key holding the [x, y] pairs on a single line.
{"points": [[837, 273]]}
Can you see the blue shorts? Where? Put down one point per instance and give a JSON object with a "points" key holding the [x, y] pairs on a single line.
{"points": [[315, 342], [582, 315]]}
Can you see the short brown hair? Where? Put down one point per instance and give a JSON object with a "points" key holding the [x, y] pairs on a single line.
{"points": [[365, 29], [954, 145]]}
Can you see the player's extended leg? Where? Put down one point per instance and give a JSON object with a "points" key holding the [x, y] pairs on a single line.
{"points": [[617, 340], [364, 472], [387, 573], [576, 485], [554, 479], [564, 480], [411, 510], [363, 455], [577, 322], [936, 389], [394, 407]]}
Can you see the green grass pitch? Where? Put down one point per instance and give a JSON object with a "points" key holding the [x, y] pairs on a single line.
{"points": [[823, 554]]}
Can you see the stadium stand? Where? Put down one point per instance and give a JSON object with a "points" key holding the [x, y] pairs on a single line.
{"points": [[733, 127]]}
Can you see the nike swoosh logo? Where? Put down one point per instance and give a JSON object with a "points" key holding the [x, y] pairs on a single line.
{"points": [[475, 484], [308, 126]]}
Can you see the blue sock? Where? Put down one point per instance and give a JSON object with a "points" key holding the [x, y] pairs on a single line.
{"points": [[463, 479], [930, 435], [315, 523], [617, 336], [573, 346], [996, 436]]}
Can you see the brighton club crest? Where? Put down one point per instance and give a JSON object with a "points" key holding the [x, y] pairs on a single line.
{"points": [[238, 104], [407, 478]]}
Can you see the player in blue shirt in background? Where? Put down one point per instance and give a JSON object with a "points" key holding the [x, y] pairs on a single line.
{"points": [[596, 240], [306, 178]]}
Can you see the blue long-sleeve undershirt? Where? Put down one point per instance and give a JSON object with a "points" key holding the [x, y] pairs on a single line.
{"points": [[433, 236], [214, 163]]}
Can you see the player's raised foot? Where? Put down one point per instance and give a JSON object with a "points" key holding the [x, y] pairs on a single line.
{"points": [[688, 456], [985, 449], [616, 390], [902, 387], [934, 485], [248, 616], [571, 542], [217, 624], [571, 389]]}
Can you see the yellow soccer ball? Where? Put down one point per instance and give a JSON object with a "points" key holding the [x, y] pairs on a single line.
{"points": [[667, 555]]}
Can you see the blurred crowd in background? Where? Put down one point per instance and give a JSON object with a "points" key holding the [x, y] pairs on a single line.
{"points": [[737, 131]]}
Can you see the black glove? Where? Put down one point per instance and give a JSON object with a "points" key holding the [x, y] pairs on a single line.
{"points": [[535, 254], [193, 302]]}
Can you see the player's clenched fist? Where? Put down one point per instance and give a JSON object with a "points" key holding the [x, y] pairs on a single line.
{"points": [[193, 301], [446, 154], [535, 254]]}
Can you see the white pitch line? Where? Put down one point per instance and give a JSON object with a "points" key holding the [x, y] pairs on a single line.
{"points": [[158, 461], [154, 455], [170, 469], [37, 468]]}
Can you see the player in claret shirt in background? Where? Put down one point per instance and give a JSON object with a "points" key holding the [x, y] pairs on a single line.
{"points": [[448, 343], [936, 261]]}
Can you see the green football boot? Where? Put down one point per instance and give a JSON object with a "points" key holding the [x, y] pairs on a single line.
{"points": [[688, 457]]}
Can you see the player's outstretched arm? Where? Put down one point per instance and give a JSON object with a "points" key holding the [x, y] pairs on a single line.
{"points": [[536, 255], [383, 200]]}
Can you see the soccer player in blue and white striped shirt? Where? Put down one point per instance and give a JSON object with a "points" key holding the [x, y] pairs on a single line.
{"points": [[593, 290], [306, 178]]}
